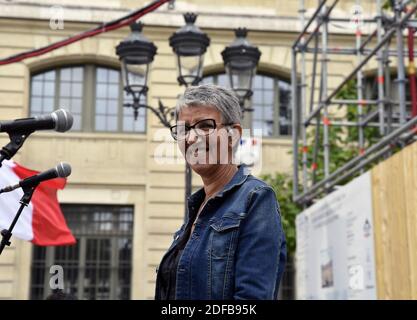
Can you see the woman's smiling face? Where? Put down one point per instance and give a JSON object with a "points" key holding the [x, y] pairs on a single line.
{"points": [[203, 152]]}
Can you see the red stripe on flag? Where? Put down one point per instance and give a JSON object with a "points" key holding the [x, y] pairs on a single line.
{"points": [[49, 226]]}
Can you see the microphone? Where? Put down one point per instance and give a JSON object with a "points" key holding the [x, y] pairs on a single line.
{"points": [[59, 120], [62, 170]]}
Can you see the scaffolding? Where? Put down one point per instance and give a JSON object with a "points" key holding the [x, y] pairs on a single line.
{"points": [[395, 128]]}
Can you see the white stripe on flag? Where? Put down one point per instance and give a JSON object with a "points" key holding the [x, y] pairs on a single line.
{"points": [[9, 204]]}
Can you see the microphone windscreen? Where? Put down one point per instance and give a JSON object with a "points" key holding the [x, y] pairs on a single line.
{"points": [[63, 169], [63, 120]]}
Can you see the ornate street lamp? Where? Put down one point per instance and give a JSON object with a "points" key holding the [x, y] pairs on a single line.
{"points": [[240, 60], [136, 53], [189, 44]]}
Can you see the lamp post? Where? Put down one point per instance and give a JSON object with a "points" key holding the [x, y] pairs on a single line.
{"points": [[240, 61], [189, 44]]}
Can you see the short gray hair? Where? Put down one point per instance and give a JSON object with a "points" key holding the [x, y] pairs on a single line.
{"points": [[223, 99]]}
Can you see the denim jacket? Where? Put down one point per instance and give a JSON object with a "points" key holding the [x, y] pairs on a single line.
{"points": [[237, 249]]}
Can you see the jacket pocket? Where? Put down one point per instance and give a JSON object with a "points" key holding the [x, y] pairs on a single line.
{"points": [[224, 236]]}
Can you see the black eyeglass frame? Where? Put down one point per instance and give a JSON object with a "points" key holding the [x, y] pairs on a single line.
{"points": [[189, 128]]}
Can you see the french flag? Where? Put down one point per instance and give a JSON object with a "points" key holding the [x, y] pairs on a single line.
{"points": [[42, 221]]}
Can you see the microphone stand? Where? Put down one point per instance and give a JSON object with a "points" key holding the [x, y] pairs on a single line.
{"points": [[16, 142], [24, 202]]}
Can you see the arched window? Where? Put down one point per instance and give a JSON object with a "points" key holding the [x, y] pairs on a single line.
{"points": [[92, 93], [271, 103]]}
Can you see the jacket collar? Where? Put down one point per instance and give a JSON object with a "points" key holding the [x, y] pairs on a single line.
{"points": [[238, 179]]}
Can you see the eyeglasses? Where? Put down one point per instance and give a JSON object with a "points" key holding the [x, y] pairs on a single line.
{"points": [[203, 127]]}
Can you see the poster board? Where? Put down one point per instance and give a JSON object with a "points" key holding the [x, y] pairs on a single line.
{"points": [[335, 257]]}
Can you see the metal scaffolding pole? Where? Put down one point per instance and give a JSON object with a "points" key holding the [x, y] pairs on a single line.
{"points": [[313, 89], [387, 87], [295, 120], [317, 135], [323, 103], [368, 40], [303, 102], [359, 86], [347, 101], [336, 123], [394, 53], [371, 115], [400, 60], [349, 51], [314, 73]]}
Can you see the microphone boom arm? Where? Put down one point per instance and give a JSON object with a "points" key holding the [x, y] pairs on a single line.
{"points": [[16, 142]]}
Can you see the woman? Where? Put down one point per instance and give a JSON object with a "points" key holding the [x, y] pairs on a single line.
{"points": [[232, 245]]}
